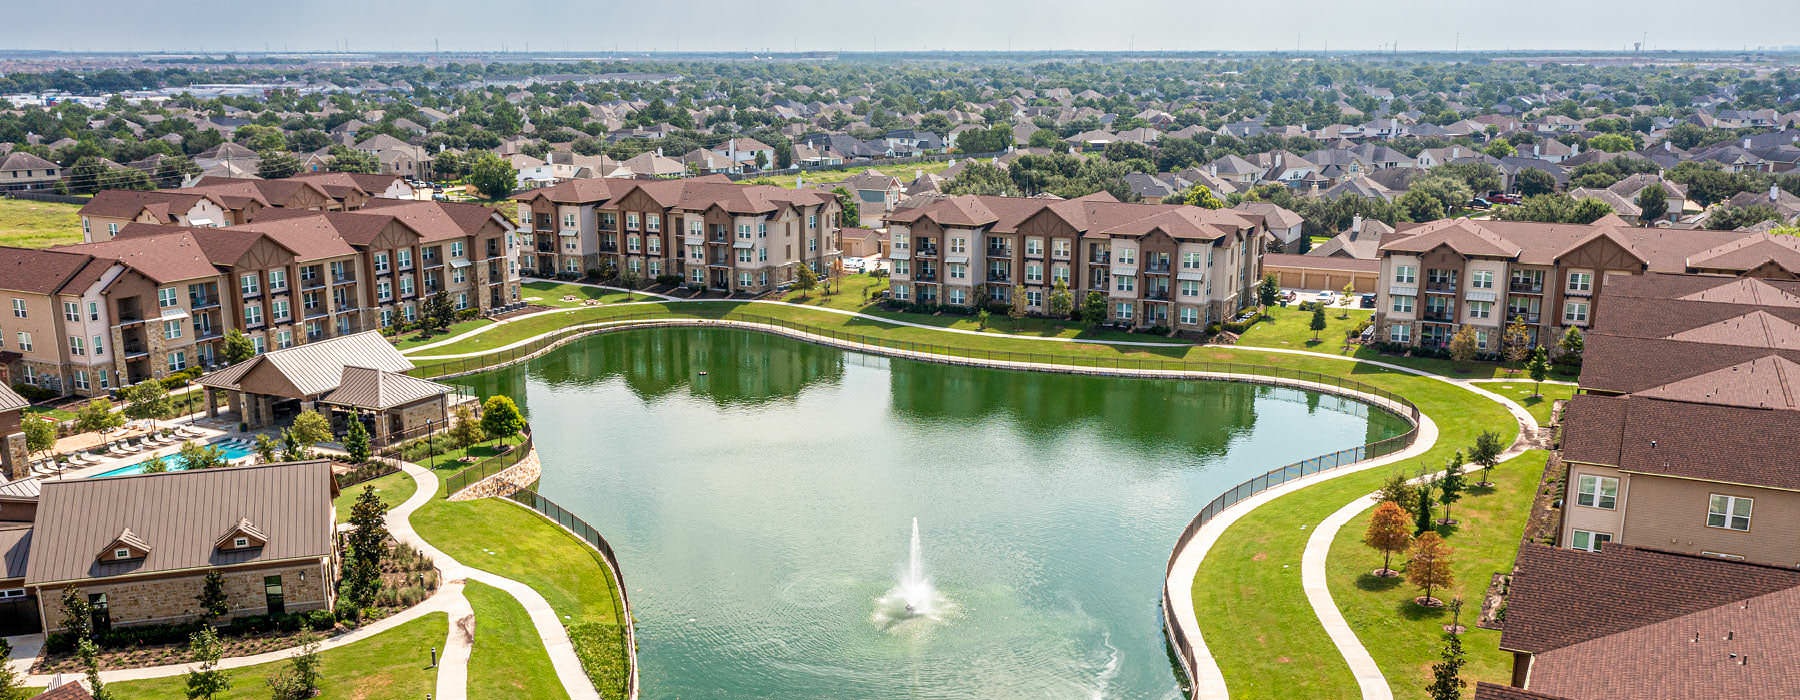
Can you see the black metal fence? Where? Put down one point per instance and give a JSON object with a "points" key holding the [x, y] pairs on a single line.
{"points": [[578, 527], [375, 469], [483, 469]]}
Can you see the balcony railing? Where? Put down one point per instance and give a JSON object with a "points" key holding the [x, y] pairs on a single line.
{"points": [[609, 247], [343, 279], [1161, 267], [313, 283], [202, 302], [1438, 316], [999, 252], [925, 276], [1102, 258], [1528, 318], [926, 251], [1441, 287], [1525, 288], [1579, 292], [133, 350], [996, 276], [1157, 295], [545, 248], [209, 333]]}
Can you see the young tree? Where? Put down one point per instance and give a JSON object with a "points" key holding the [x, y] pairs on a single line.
{"points": [[212, 599], [1571, 345], [1203, 197], [1653, 201], [89, 653], [1446, 675], [238, 347], [805, 280], [1093, 309], [1349, 293], [1422, 522], [1401, 492], [500, 418], [1318, 322], [492, 175], [197, 456], [439, 312], [1428, 567], [1017, 310], [367, 545], [266, 447], [466, 430], [78, 614], [292, 449], [97, 416], [147, 400], [1388, 532], [1062, 301], [1516, 340], [1268, 292], [12, 687], [311, 428], [981, 318], [208, 680], [356, 441], [1539, 369], [1462, 347], [1486, 453], [1450, 487], [40, 434], [300, 680], [852, 210]]}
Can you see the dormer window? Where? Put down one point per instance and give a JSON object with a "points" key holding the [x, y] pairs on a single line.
{"points": [[244, 535], [121, 553], [240, 542], [125, 547]]}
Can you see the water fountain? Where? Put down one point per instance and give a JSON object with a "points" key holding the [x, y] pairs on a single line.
{"points": [[913, 597]]}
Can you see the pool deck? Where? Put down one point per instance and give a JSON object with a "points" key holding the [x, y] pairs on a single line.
{"points": [[108, 463]]}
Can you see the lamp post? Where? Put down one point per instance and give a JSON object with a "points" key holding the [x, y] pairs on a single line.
{"points": [[430, 445]]}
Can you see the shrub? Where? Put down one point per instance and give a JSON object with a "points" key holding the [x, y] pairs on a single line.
{"points": [[34, 393], [669, 280], [1158, 330]]}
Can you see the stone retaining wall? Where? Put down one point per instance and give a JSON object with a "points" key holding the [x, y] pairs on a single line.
{"points": [[505, 482]]}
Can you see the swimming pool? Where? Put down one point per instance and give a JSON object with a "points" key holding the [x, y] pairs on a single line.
{"points": [[233, 453]]}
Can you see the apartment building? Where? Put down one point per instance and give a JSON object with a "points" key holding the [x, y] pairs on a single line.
{"points": [[221, 201], [1159, 265], [710, 232], [168, 316], [56, 332], [1443, 275]]}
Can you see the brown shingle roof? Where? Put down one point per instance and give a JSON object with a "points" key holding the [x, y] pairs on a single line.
{"points": [[434, 221], [39, 271], [1730, 444], [1620, 364], [161, 254], [67, 691], [180, 513], [1491, 691]]}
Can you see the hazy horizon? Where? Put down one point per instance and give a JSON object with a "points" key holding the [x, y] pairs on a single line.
{"points": [[817, 25]]}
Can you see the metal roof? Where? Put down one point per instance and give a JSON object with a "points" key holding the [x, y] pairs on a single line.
{"points": [[179, 516], [11, 400], [317, 367], [373, 389]]}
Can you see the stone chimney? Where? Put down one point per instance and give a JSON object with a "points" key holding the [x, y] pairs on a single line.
{"points": [[1356, 225]]}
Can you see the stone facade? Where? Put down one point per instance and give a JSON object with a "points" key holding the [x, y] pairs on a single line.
{"points": [[505, 482], [305, 586]]}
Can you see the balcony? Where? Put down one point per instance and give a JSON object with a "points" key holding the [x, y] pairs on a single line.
{"points": [[1438, 316], [1526, 288], [313, 283], [209, 333], [1527, 318], [1441, 287], [198, 303], [926, 251], [1001, 253], [1157, 295], [999, 276], [134, 350], [609, 247], [1102, 258], [545, 248], [1579, 292], [431, 262], [314, 312], [1160, 267], [925, 276], [343, 279]]}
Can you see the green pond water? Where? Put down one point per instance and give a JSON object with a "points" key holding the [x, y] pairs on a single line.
{"points": [[760, 493]]}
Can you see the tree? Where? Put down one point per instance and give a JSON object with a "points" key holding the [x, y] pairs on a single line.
{"points": [[356, 440], [1062, 301], [1422, 514], [1725, 218], [1486, 452], [1016, 310], [1268, 291], [1653, 203], [1571, 345], [982, 179], [367, 546], [214, 604], [197, 456], [89, 653], [300, 680], [1539, 369], [208, 680], [1517, 340], [500, 418], [1500, 148], [1399, 491], [492, 175], [1388, 533], [1446, 675], [238, 347], [78, 614], [439, 313], [98, 416], [1450, 487], [147, 400], [266, 447], [1611, 143], [1349, 293], [981, 318], [1420, 206], [1203, 197], [275, 165], [1093, 309], [40, 434], [1462, 346], [349, 160], [1532, 181], [805, 280], [852, 210], [1428, 567], [1318, 321], [466, 430], [12, 687]]}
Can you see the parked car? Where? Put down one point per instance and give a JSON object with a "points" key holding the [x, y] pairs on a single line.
{"points": [[1290, 296], [1326, 298], [1503, 198], [1479, 203], [1368, 301]]}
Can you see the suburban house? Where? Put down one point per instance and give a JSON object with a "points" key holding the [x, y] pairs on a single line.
{"points": [[20, 171], [1158, 265], [140, 546], [358, 376], [1285, 226], [709, 231], [876, 192]]}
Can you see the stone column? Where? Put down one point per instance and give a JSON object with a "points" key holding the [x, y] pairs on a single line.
{"points": [[15, 459]]}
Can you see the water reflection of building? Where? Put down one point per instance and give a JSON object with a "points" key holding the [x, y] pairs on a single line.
{"points": [[1201, 416], [740, 367]]}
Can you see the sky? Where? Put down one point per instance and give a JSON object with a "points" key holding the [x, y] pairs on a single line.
{"points": [[838, 25]]}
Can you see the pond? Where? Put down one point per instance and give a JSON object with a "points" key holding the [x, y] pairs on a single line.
{"points": [[760, 494]]}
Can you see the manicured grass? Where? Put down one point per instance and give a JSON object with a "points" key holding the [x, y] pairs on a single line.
{"points": [[852, 292], [1538, 400], [393, 664], [415, 338], [512, 541], [55, 414], [1289, 327], [548, 293], [904, 171], [29, 224], [1253, 614], [1404, 638], [509, 660], [393, 489]]}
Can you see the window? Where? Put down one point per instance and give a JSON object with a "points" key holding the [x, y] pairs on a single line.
{"points": [[279, 310], [1729, 512], [1125, 283], [249, 284], [71, 311], [654, 245], [405, 258], [381, 262], [99, 349], [253, 315], [958, 244], [1481, 309], [1597, 491], [958, 297], [462, 298], [171, 329], [1128, 256], [1581, 281], [256, 342], [744, 231], [121, 553], [177, 361], [1575, 312], [93, 311], [165, 298], [81, 379], [273, 597], [240, 542], [1481, 279], [284, 338], [456, 249], [1405, 274], [1403, 303], [277, 280], [77, 345], [19, 307], [25, 343], [1400, 333], [1190, 288], [1192, 261], [1034, 298], [1123, 311], [762, 229], [1034, 247], [459, 275], [1189, 316], [743, 255], [631, 221], [112, 230], [1588, 541], [568, 220], [384, 291], [902, 267], [406, 285], [1059, 275], [1034, 273], [653, 222], [957, 271]]}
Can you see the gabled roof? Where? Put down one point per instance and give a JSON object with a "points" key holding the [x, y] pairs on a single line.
{"points": [[244, 528], [1461, 235], [316, 367], [1757, 329], [375, 390], [1770, 381], [160, 253], [1749, 253], [126, 540], [1746, 291], [45, 271]]}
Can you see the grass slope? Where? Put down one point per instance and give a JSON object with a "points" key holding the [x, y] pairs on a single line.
{"points": [[509, 660], [29, 224], [393, 664]]}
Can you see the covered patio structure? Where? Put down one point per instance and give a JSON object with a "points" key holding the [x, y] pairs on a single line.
{"points": [[354, 375]]}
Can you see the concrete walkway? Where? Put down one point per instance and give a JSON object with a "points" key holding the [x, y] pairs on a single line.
{"points": [[459, 645], [549, 627]]}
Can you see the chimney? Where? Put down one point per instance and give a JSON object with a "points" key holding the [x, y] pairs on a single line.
{"points": [[1356, 225], [1774, 192], [1746, 143], [918, 174], [1212, 169], [1455, 152]]}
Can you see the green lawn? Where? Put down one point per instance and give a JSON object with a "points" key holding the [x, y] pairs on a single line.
{"points": [[394, 489], [509, 660], [1536, 399], [548, 293], [393, 664], [29, 224], [1289, 327], [415, 339], [1404, 638], [1253, 614], [903, 171], [506, 539], [55, 414]]}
